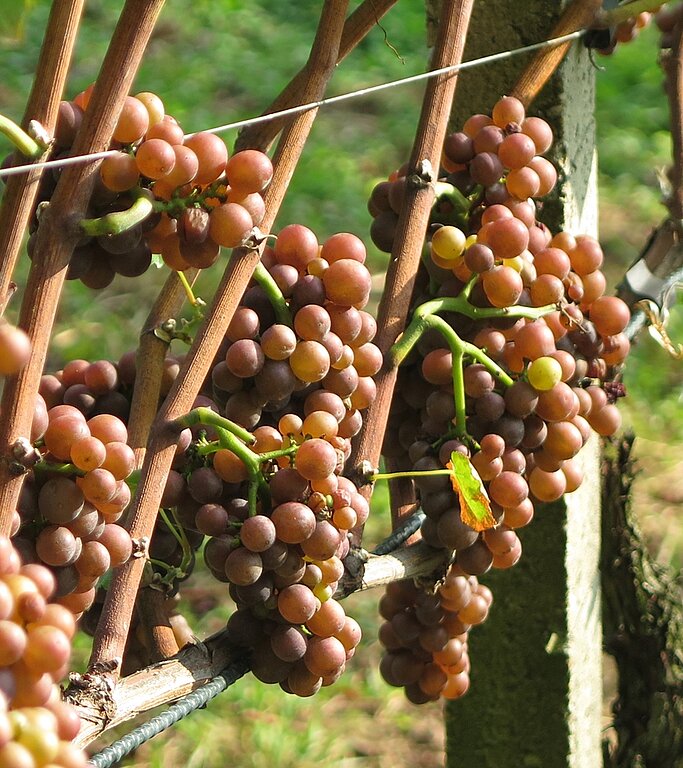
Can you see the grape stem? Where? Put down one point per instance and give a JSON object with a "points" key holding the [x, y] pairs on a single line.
{"points": [[252, 462], [28, 146], [120, 221], [59, 468], [178, 533], [424, 319], [188, 291], [233, 437], [274, 294], [445, 191], [210, 418]]}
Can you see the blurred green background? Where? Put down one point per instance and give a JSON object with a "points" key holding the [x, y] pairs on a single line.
{"points": [[197, 62]]}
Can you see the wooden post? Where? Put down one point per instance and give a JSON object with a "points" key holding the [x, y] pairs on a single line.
{"points": [[535, 697]]}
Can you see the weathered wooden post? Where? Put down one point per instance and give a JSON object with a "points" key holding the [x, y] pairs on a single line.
{"points": [[535, 698]]}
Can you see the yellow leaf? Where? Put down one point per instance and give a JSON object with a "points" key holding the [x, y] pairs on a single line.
{"points": [[475, 507]]}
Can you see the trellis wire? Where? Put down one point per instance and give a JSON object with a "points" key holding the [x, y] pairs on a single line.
{"points": [[65, 161], [119, 749]]}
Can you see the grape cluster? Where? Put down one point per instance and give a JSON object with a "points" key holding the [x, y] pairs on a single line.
{"points": [[36, 727], [283, 567], [425, 635], [296, 373], [70, 505], [493, 160], [203, 199], [527, 392], [319, 354]]}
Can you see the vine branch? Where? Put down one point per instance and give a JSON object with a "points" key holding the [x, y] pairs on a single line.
{"points": [[412, 224], [19, 197]]}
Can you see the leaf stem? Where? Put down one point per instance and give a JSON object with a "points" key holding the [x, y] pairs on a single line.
{"points": [[409, 473]]}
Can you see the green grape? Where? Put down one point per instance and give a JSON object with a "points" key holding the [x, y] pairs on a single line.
{"points": [[544, 373]]}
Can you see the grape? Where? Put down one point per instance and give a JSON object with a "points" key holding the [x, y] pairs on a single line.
{"points": [[167, 129], [479, 257], [211, 153], [108, 428], [297, 604], [98, 486], [62, 432], [155, 158], [288, 643], [324, 655], [486, 168], [294, 522], [229, 224], [118, 543], [312, 323], [323, 542], [610, 315], [544, 373], [547, 486], [343, 245], [508, 489], [94, 559], [546, 173], [516, 150], [119, 172], [523, 183], [320, 424], [243, 567], [119, 459], [249, 171], [448, 243], [258, 533], [244, 358], [56, 545], [296, 246], [606, 420], [503, 286], [508, 110], [133, 121], [310, 361], [348, 283]]}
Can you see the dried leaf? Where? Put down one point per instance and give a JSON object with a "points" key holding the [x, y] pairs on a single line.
{"points": [[475, 507]]}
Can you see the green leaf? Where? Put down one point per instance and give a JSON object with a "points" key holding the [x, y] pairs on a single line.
{"points": [[475, 507]]}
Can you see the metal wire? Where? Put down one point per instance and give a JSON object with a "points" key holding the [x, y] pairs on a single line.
{"points": [[119, 749], [61, 162]]}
